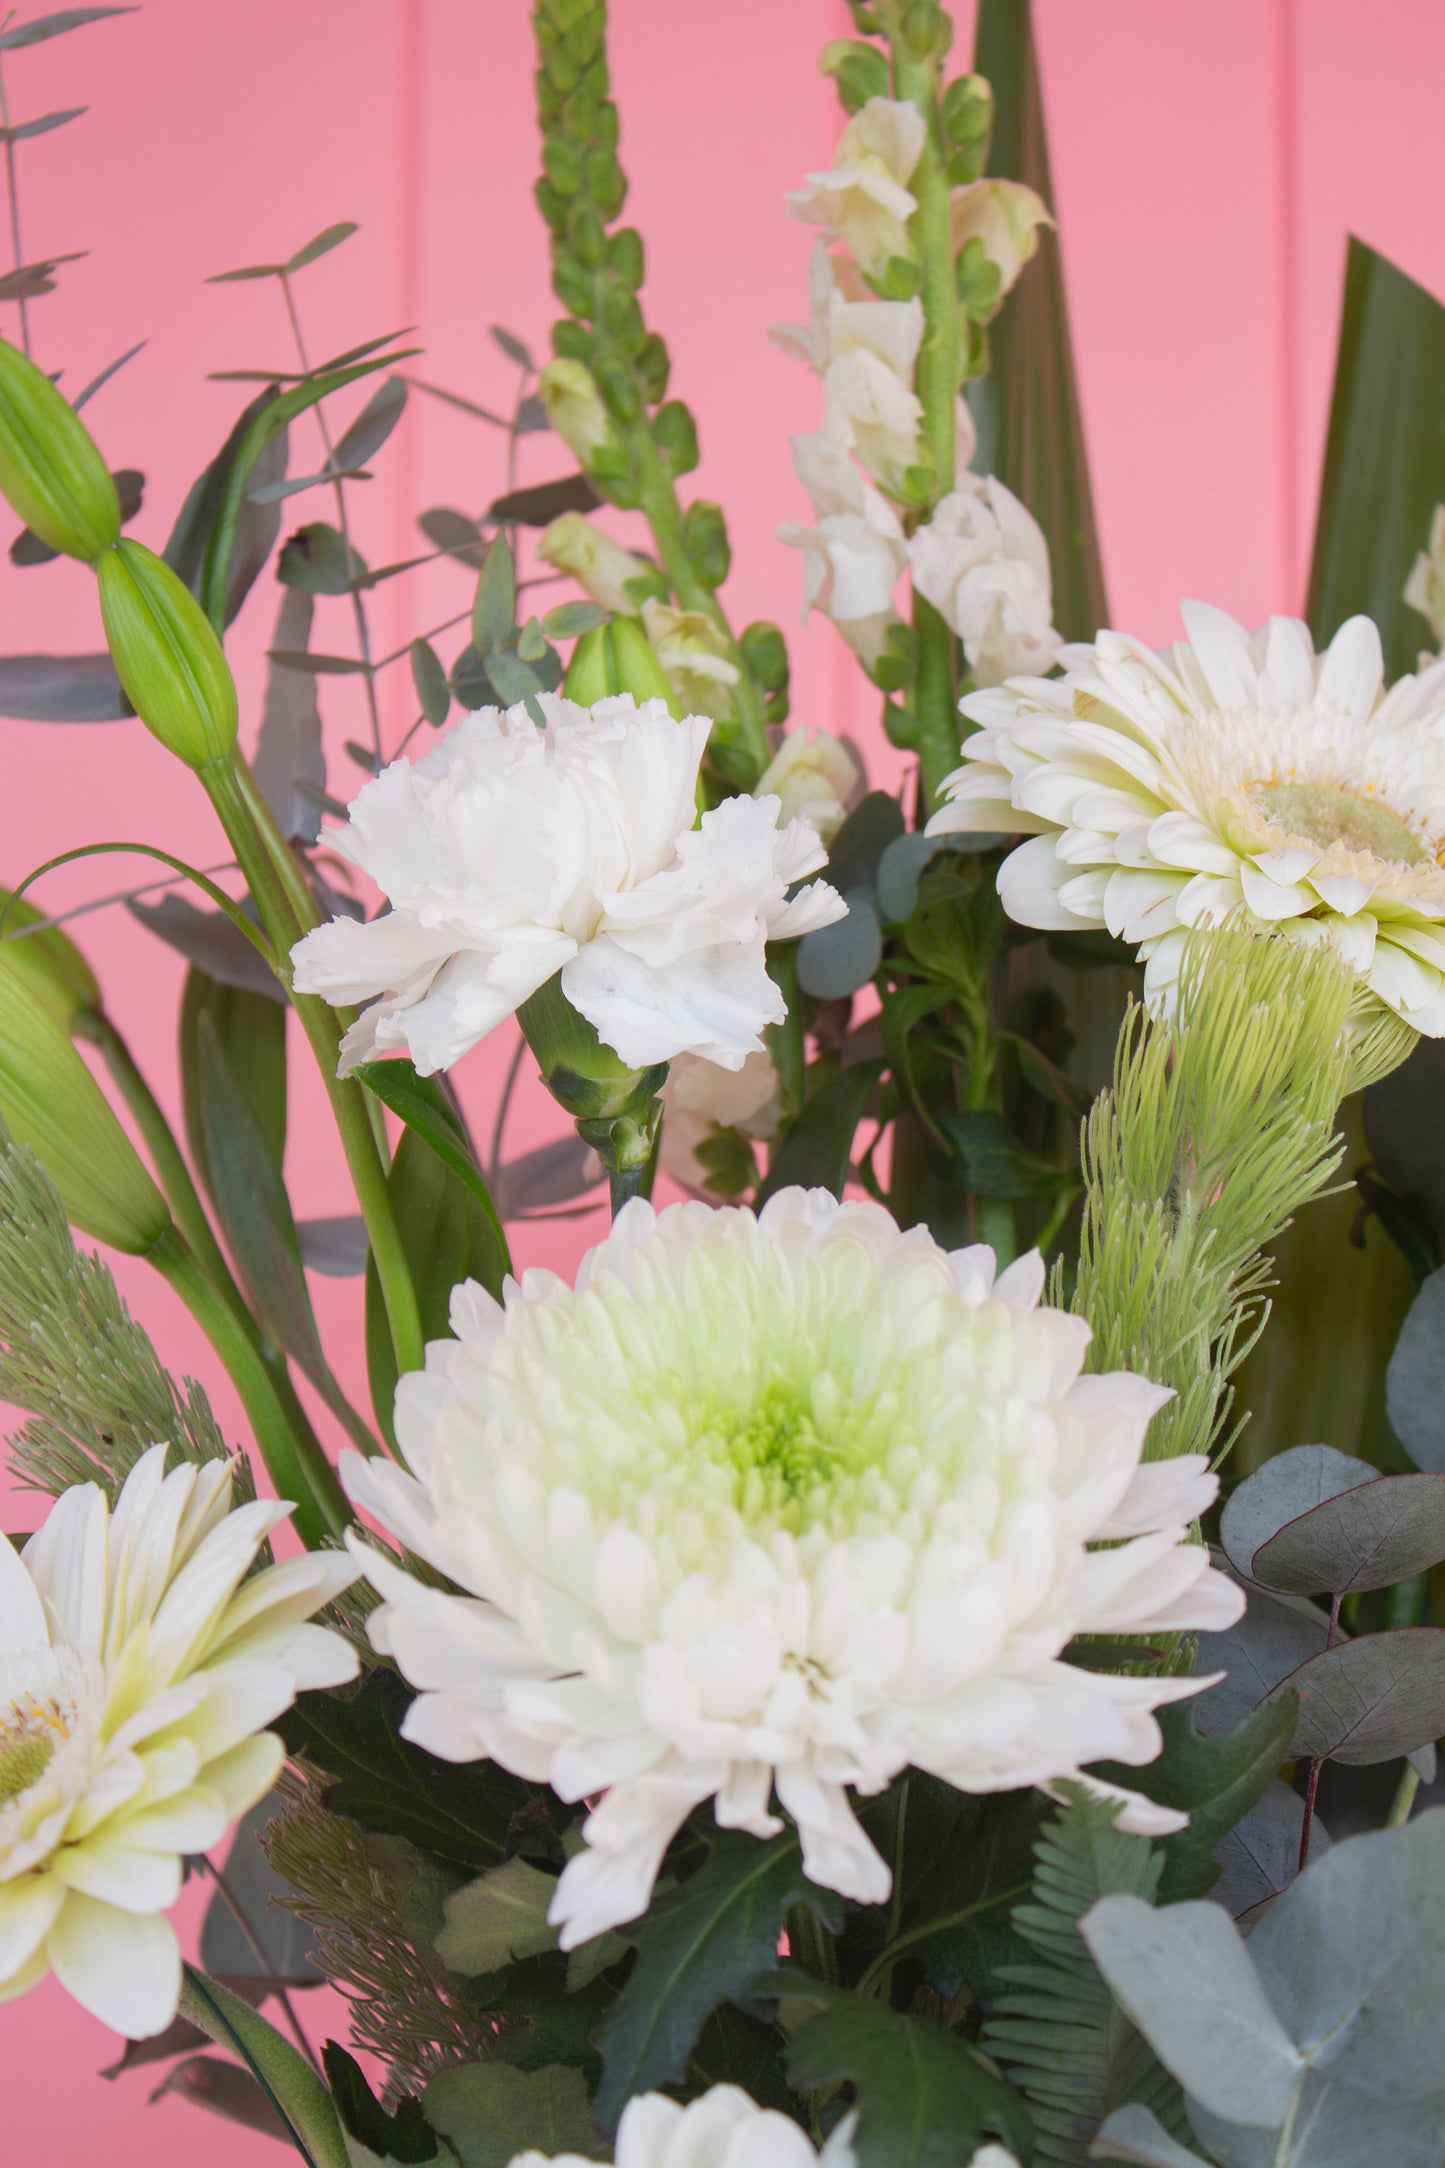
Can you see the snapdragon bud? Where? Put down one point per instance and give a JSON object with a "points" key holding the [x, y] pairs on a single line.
{"points": [[49, 466], [568, 390], [167, 655], [575, 544], [50, 1101], [48, 962]]}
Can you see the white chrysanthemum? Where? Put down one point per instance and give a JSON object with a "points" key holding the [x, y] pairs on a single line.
{"points": [[138, 1667], [722, 2128], [1231, 775], [511, 852], [983, 562], [863, 198], [791, 1501]]}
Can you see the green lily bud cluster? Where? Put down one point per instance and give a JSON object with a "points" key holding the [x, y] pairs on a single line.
{"points": [[50, 1101], [616, 1109]]}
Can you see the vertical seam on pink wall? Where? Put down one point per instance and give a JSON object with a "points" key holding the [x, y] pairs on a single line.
{"points": [[1290, 571], [409, 45]]}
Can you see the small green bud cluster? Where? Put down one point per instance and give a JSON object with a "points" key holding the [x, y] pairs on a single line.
{"points": [[765, 652], [615, 1108], [859, 72], [966, 112]]}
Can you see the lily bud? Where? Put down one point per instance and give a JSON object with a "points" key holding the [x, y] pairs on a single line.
{"points": [[568, 390], [49, 466], [601, 565], [167, 655], [48, 962], [50, 1101], [616, 1109]]}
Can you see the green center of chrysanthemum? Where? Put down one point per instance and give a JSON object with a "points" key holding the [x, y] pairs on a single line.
{"points": [[780, 1458], [23, 1757], [1320, 813]]}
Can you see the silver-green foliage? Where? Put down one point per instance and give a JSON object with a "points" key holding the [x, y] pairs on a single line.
{"points": [[72, 1354], [1219, 1127], [1059, 2035]]}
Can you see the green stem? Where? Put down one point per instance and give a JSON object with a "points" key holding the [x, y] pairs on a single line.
{"points": [[261, 861], [936, 381], [1404, 1798], [300, 1472], [658, 502]]}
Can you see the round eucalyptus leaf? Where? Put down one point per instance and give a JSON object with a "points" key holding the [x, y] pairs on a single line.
{"points": [[838, 959], [1274, 1638], [855, 852], [1415, 1379], [1368, 1700], [1278, 1493], [902, 862], [1368, 1537]]}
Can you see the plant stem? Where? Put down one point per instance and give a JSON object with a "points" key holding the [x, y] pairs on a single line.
{"points": [[12, 193], [299, 1472], [936, 381], [1312, 1781], [258, 1950], [1404, 1798], [264, 864]]}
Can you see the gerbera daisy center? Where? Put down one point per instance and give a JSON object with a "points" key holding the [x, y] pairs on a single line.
{"points": [[1324, 814], [30, 1730]]}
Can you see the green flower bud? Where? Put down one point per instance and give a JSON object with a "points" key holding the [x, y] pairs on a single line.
{"points": [[621, 320], [859, 71], [765, 652], [625, 256], [966, 110], [615, 1108], [591, 670], [605, 181], [49, 466], [572, 285], [653, 367], [49, 963], [586, 234], [619, 389], [572, 341], [167, 655], [705, 538], [675, 434], [50, 1101], [551, 203]]}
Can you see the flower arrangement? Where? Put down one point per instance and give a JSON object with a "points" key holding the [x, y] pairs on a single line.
{"points": [[842, 1680]]}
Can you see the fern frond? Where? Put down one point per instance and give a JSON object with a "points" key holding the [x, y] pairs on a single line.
{"points": [[1059, 2036]]}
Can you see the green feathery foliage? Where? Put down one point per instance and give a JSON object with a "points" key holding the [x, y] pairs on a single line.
{"points": [[375, 1903], [71, 1353], [1062, 2039], [1218, 1129]]}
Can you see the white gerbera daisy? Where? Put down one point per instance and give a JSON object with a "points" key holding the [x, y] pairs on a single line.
{"points": [[138, 1666], [1233, 775], [793, 1500]]}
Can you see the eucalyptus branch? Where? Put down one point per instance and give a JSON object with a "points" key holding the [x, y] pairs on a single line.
{"points": [[12, 195]]}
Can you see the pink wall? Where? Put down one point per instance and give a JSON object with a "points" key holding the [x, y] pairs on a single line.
{"points": [[1209, 161]]}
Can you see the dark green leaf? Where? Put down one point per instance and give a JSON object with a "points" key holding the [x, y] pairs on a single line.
{"points": [[448, 1235], [492, 2113], [41, 27], [405, 2138], [206, 2081], [512, 347], [925, 2099], [494, 605], [316, 560], [1405, 1128], [569, 620], [1369, 1537], [430, 679], [274, 1947], [1215, 1780], [460, 1811], [836, 960], [817, 1151], [372, 426], [61, 689], [453, 532], [246, 271], [542, 502], [424, 1107], [256, 526], [697, 1946], [210, 942], [1384, 469], [1368, 1700], [329, 238], [252, 1031], [1287, 1485], [857, 850], [22, 132], [960, 1888], [736, 2049], [1415, 1380], [289, 762], [986, 1160], [558, 2018], [499, 1917], [1030, 428]]}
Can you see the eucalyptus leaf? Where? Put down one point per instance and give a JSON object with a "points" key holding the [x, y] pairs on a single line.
{"points": [[1288, 1485], [531, 416], [837, 960], [329, 238], [61, 689], [106, 374], [208, 940], [29, 280], [336, 1247], [491, 2113], [289, 763], [547, 1175], [1369, 1537], [41, 27], [569, 620], [514, 348], [300, 658], [206, 2081], [542, 502], [275, 1947], [454, 533], [430, 680], [899, 867], [1276, 1635], [372, 426], [699, 1945], [25, 129], [494, 605], [1415, 1380], [514, 682], [317, 559], [1370, 1699], [856, 851], [1135, 2134], [817, 1151], [499, 1917], [1259, 1857]]}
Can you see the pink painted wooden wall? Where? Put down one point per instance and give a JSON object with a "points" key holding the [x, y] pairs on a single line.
{"points": [[1209, 161]]}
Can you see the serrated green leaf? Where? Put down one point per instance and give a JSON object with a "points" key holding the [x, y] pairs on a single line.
{"points": [[491, 2112], [500, 1916], [1215, 1781], [699, 1945]]}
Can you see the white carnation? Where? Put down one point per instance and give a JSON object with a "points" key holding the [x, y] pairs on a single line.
{"points": [[983, 563], [510, 852], [1233, 775], [698, 1097], [786, 1502], [138, 1669], [863, 198]]}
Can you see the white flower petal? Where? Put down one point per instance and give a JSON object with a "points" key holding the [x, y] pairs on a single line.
{"points": [[122, 1967]]}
